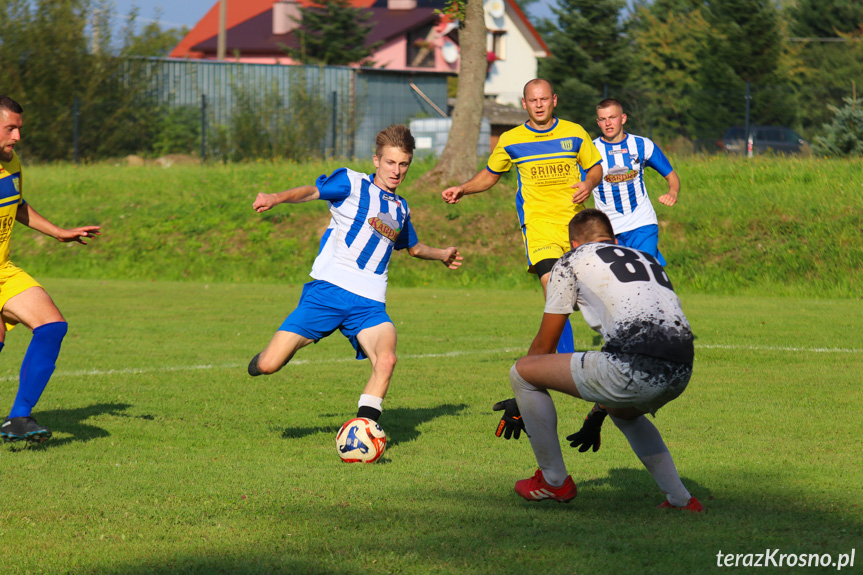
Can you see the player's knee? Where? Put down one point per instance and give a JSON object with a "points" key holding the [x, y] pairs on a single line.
{"points": [[386, 361], [264, 365], [517, 382], [625, 418], [52, 333]]}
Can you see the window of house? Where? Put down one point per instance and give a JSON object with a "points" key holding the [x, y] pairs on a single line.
{"points": [[420, 51], [497, 43]]}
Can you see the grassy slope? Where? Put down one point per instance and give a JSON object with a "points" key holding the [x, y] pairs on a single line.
{"points": [[762, 226]]}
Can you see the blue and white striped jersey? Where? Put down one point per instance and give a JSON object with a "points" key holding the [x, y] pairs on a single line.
{"points": [[367, 224], [621, 193]]}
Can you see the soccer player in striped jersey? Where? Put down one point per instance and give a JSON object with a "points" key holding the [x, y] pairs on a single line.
{"points": [[549, 154], [348, 292], [22, 299], [621, 194]]}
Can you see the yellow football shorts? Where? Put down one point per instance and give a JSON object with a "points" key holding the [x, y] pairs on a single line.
{"points": [[13, 280], [544, 240]]}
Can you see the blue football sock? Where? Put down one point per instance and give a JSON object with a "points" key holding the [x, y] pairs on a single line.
{"points": [[38, 365], [566, 343]]}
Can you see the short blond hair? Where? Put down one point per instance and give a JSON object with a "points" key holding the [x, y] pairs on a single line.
{"points": [[395, 136]]}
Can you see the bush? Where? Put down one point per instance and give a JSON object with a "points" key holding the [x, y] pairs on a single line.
{"points": [[179, 131], [265, 124], [844, 137]]}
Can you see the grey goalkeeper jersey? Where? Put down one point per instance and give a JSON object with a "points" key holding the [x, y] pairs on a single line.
{"points": [[626, 296]]}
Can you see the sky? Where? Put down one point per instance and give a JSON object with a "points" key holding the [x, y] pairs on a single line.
{"points": [[172, 14], [177, 13]]}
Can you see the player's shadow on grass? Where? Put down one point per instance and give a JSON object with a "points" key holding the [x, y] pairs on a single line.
{"points": [[630, 484], [400, 423], [71, 421]]}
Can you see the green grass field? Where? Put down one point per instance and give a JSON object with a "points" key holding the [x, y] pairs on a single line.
{"points": [[168, 458]]}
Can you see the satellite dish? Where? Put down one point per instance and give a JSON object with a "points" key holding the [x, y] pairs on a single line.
{"points": [[449, 51], [496, 8]]}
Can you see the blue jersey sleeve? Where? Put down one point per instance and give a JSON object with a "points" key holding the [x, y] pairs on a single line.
{"points": [[408, 236], [659, 162], [335, 187]]}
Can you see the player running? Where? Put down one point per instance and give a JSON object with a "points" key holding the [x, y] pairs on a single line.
{"points": [[369, 220], [625, 295], [621, 193], [22, 299], [547, 152]]}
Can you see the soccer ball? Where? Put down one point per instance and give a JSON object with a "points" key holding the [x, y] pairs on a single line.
{"points": [[361, 440]]}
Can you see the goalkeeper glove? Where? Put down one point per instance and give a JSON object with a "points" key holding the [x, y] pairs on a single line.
{"points": [[511, 423], [589, 434]]}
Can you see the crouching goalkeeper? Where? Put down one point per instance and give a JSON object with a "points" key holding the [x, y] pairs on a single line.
{"points": [[646, 362]]}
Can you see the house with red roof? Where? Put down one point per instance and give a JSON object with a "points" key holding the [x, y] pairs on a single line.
{"points": [[413, 36]]}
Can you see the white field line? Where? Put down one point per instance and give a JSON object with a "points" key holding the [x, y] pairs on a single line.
{"points": [[203, 367], [772, 348]]}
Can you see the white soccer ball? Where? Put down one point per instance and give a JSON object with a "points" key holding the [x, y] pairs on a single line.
{"points": [[361, 440]]}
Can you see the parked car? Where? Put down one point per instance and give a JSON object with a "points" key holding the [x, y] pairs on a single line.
{"points": [[777, 139]]}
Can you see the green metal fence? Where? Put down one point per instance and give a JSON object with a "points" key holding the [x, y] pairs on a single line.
{"points": [[344, 106]]}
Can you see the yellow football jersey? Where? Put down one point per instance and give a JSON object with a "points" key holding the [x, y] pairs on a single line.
{"points": [[10, 199], [548, 165]]}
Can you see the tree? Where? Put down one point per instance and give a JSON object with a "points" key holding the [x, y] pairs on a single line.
{"points": [[458, 160], [825, 18], [153, 41], [589, 55], [667, 62], [830, 67], [844, 135], [744, 44], [92, 78], [332, 32]]}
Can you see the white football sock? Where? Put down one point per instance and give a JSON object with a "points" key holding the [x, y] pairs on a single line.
{"points": [[646, 442], [371, 401], [540, 422]]}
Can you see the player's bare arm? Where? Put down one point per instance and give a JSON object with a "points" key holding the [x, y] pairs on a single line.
{"points": [[34, 220], [670, 198], [548, 335], [448, 256], [479, 183], [584, 187], [298, 195]]}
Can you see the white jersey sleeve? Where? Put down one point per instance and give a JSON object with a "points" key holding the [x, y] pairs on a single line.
{"points": [[626, 296]]}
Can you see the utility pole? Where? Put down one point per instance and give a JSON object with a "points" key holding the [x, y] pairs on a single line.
{"points": [[223, 12]]}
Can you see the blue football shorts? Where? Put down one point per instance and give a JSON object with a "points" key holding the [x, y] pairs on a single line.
{"points": [[645, 239], [324, 307]]}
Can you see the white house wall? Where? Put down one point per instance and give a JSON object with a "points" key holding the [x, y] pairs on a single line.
{"points": [[506, 78]]}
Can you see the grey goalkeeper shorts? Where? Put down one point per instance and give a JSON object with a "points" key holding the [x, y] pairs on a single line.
{"points": [[628, 380]]}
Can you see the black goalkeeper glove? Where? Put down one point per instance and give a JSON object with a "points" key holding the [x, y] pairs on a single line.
{"points": [[589, 434], [511, 423]]}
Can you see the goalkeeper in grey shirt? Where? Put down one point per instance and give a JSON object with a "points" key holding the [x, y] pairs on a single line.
{"points": [[626, 296]]}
